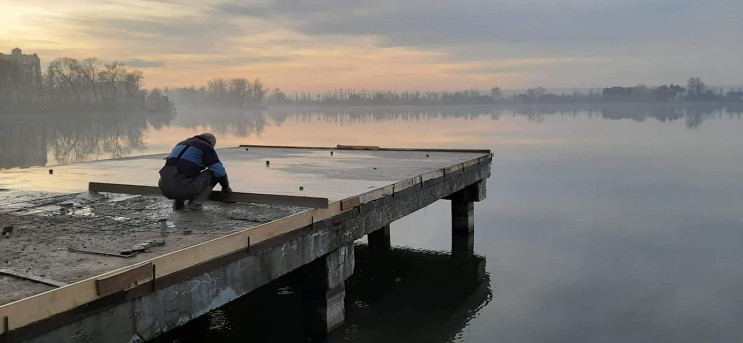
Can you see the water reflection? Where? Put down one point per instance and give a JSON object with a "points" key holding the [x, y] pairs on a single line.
{"points": [[32, 140], [406, 296], [692, 114]]}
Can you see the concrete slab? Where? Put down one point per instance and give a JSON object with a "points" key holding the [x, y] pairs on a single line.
{"points": [[46, 225], [49, 215], [344, 174]]}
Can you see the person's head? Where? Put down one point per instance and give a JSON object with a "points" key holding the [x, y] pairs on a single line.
{"points": [[209, 138]]}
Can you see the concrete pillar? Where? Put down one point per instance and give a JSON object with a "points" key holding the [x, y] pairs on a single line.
{"points": [[462, 217], [462, 246], [463, 207], [379, 240], [324, 291]]}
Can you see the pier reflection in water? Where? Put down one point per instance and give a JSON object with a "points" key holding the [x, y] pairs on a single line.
{"points": [[403, 295]]}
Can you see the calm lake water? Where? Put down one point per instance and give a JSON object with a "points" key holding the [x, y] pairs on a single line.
{"points": [[615, 223]]}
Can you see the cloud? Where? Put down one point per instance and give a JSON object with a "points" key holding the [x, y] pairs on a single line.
{"points": [[188, 34], [441, 44], [525, 65], [139, 63], [449, 23], [584, 40]]}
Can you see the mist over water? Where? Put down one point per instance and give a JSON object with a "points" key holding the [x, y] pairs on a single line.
{"points": [[609, 223], [47, 139]]}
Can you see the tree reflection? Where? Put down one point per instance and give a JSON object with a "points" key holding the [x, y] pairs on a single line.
{"points": [[222, 121], [28, 140], [692, 114]]}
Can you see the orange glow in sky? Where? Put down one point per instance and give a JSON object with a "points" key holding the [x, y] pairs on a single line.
{"points": [[320, 45]]}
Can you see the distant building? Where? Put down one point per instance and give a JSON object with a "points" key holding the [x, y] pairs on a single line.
{"points": [[28, 65]]}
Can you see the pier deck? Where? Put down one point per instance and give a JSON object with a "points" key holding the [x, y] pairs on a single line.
{"points": [[57, 224]]}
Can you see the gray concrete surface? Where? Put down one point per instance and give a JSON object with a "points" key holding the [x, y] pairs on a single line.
{"points": [[50, 222], [346, 173]]}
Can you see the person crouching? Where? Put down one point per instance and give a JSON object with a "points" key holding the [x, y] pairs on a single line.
{"points": [[191, 172]]}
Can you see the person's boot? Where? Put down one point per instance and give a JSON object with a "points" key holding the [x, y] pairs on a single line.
{"points": [[197, 203], [179, 204], [195, 206]]}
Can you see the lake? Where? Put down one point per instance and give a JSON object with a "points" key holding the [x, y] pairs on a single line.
{"points": [[609, 223]]}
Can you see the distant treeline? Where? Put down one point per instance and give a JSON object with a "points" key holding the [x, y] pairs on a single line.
{"points": [[237, 92], [695, 91], [71, 85], [368, 97]]}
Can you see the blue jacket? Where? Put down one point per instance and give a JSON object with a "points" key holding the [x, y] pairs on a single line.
{"points": [[200, 155]]}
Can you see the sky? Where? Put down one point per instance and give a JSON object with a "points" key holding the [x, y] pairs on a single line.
{"points": [[317, 45]]}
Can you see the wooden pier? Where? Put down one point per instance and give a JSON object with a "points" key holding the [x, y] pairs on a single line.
{"points": [[299, 208]]}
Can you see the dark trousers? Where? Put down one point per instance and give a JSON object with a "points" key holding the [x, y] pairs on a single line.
{"points": [[180, 187]]}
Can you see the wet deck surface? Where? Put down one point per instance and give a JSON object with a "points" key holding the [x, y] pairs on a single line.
{"points": [[51, 213]]}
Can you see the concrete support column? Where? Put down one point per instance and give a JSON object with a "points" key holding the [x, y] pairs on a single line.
{"points": [[462, 217], [324, 291], [462, 246], [379, 240]]}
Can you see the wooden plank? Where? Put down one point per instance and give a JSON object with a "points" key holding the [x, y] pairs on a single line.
{"points": [[285, 147], [28, 310], [124, 280], [470, 163], [122, 188], [377, 194], [31, 277], [452, 169], [347, 204], [477, 151], [432, 175], [357, 147], [405, 184], [276, 199]]}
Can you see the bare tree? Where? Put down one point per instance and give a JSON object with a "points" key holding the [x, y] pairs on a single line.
{"points": [[89, 71], [110, 75], [65, 72]]}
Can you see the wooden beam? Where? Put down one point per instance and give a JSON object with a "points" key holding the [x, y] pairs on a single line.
{"points": [[285, 147], [123, 280], [356, 147], [122, 188], [347, 204], [275, 199], [476, 151], [31, 277]]}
